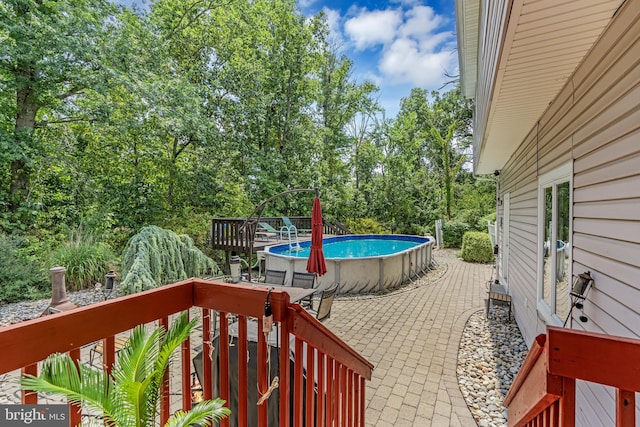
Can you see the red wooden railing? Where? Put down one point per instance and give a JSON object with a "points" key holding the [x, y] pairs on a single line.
{"points": [[544, 391], [335, 398]]}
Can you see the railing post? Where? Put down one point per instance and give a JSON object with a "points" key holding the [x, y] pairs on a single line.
{"points": [[243, 372], [361, 405], [285, 376], [206, 379], [108, 353], [568, 403], [625, 408], [320, 412], [297, 384], [164, 391], [75, 411], [186, 372], [224, 362], [27, 397], [343, 395], [263, 375], [310, 382]]}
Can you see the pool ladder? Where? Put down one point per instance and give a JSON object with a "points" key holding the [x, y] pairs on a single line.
{"points": [[290, 229]]}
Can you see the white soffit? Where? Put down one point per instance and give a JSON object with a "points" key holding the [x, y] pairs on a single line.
{"points": [[467, 28], [544, 43]]}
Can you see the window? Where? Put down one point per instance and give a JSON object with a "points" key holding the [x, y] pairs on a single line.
{"points": [[554, 246]]}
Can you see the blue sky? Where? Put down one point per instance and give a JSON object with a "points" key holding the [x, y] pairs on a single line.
{"points": [[398, 45]]}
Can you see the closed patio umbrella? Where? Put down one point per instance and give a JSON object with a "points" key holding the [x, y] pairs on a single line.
{"points": [[316, 263]]}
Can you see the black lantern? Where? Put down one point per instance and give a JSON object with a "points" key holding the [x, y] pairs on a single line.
{"points": [[580, 287], [578, 294], [109, 279]]}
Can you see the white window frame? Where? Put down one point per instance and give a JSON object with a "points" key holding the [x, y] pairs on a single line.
{"points": [[559, 175]]}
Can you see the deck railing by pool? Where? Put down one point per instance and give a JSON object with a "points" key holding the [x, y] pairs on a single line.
{"points": [[339, 388]]}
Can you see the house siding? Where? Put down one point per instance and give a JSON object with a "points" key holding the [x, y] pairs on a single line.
{"points": [[493, 15], [593, 123]]}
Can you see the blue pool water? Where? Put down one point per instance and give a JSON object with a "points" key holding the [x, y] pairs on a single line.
{"points": [[354, 246]]}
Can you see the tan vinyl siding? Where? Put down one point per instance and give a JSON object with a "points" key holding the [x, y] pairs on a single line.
{"points": [[594, 122]]}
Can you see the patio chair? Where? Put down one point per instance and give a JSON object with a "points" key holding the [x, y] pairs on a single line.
{"points": [[265, 229], [304, 280], [324, 306], [275, 277], [98, 348], [290, 226]]}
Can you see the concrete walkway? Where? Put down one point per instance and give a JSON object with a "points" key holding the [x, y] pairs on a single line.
{"points": [[411, 337]]}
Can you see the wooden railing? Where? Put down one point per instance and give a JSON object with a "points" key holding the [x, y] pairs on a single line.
{"points": [[232, 235], [237, 235], [333, 393], [544, 391]]}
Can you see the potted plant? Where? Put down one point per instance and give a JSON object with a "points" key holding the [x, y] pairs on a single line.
{"points": [[128, 396]]}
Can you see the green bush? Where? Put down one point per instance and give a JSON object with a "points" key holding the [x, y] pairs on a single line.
{"points": [[195, 225], [469, 216], [476, 247], [365, 226], [20, 277], [481, 224], [155, 257], [86, 261], [452, 232]]}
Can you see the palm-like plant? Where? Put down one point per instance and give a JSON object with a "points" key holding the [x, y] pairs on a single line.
{"points": [[129, 396]]}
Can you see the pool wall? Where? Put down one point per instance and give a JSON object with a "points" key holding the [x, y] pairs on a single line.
{"points": [[364, 275]]}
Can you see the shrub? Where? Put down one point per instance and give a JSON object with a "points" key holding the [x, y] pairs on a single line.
{"points": [[481, 224], [86, 261], [20, 277], [452, 232], [476, 247], [365, 226], [468, 216], [155, 257]]}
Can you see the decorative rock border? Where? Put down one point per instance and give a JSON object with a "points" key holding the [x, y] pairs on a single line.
{"points": [[490, 354]]}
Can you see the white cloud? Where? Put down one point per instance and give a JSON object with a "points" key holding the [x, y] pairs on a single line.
{"points": [[369, 29], [405, 62], [334, 21], [413, 42], [421, 21], [304, 4], [374, 78]]}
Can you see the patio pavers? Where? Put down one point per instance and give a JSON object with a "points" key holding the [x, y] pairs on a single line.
{"points": [[411, 336]]}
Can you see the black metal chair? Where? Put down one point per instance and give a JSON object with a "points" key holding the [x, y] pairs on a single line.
{"points": [[306, 281], [275, 277], [324, 306]]}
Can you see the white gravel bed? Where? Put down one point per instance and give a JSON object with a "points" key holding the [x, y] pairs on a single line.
{"points": [[25, 310], [490, 354]]}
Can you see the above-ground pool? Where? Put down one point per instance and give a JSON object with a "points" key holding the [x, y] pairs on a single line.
{"points": [[360, 264]]}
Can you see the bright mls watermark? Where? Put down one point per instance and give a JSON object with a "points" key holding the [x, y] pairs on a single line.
{"points": [[34, 415]]}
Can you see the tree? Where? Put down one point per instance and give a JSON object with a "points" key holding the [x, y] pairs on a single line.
{"points": [[129, 396], [449, 170], [52, 53]]}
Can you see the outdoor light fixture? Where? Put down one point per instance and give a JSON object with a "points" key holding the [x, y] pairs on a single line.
{"points": [[578, 294], [109, 280], [234, 268], [580, 286]]}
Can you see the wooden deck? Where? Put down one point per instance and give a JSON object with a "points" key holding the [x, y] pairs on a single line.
{"points": [[241, 235]]}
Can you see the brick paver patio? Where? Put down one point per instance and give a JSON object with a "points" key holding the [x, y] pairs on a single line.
{"points": [[412, 336]]}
